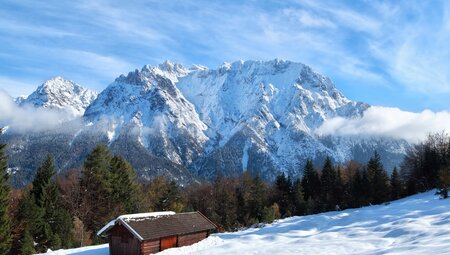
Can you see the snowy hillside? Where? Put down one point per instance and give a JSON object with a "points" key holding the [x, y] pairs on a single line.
{"points": [[60, 94], [418, 224]]}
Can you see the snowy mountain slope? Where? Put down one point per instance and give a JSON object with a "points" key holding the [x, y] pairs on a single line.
{"points": [[418, 224], [148, 104], [263, 114], [60, 94], [254, 115]]}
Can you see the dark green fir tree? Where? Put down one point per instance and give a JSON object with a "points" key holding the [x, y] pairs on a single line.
{"points": [[126, 190], [96, 185], [310, 182], [378, 180], [26, 244], [328, 183], [5, 221], [396, 185]]}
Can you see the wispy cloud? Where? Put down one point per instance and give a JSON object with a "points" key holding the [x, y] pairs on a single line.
{"points": [[388, 44], [389, 122], [29, 119]]}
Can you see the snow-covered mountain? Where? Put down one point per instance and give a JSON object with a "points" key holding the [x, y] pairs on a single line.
{"points": [[60, 94], [255, 115], [180, 121], [148, 105], [419, 224]]}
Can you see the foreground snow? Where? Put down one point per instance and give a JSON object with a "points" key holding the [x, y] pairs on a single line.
{"points": [[89, 250], [416, 225]]}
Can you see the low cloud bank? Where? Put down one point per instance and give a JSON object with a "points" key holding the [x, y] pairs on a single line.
{"points": [[389, 122], [28, 118]]}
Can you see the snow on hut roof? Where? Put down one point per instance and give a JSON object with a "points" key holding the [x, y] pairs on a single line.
{"points": [[154, 226], [133, 217]]}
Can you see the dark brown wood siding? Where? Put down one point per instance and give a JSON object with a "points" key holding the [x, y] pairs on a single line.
{"points": [[148, 247], [122, 242], [191, 238]]}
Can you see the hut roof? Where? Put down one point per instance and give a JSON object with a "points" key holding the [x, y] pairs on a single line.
{"points": [[156, 225]]}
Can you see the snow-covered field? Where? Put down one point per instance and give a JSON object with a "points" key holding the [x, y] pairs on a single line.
{"points": [[415, 225]]}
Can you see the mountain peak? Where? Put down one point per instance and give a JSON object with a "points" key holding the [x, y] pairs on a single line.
{"points": [[61, 94]]}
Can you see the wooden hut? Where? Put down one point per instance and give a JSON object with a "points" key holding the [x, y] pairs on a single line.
{"points": [[146, 233]]}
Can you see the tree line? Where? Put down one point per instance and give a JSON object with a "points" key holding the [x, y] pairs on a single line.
{"points": [[65, 211]]}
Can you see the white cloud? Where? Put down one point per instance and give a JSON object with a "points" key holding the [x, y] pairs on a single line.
{"points": [[28, 119], [308, 19], [389, 122]]}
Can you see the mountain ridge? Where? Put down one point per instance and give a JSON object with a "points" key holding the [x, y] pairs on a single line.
{"points": [[246, 115]]}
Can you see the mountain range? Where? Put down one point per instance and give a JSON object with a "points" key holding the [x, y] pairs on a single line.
{"points": [[193, 123]]}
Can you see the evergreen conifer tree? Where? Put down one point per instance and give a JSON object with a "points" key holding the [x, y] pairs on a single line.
{"points": [[396, 185], [339, 190], [51, 224], [298, 198], [126, 190], [283, 190], [42, 186], [310, 181], [328, 183], [26, 244], [97, 188], [5, 221], [257, 199], [378, 180]]}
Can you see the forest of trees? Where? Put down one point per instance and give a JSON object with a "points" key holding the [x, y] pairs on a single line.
{"points": [[66, 210]]}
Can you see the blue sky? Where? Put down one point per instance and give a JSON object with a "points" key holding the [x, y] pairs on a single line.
{"points": [[387, 53]]}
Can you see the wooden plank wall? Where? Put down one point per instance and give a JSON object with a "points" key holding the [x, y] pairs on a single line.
{"points": [[122, 242], [192, 238], [148, 247]]}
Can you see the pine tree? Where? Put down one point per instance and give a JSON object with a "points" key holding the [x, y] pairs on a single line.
{"points": [[5, 221], [97, 189], [328, 182], [310, 182], [339, 190], [26, 244], [126, 190], [366, 192], [378, 180], [30, 215], [283, 194], [53, 224], [298, 198], [42, 182], [257, 199], [396, 185]]}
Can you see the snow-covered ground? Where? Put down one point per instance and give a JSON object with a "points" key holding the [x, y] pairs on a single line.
{"points": [[88, 250], [415, 225]]}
